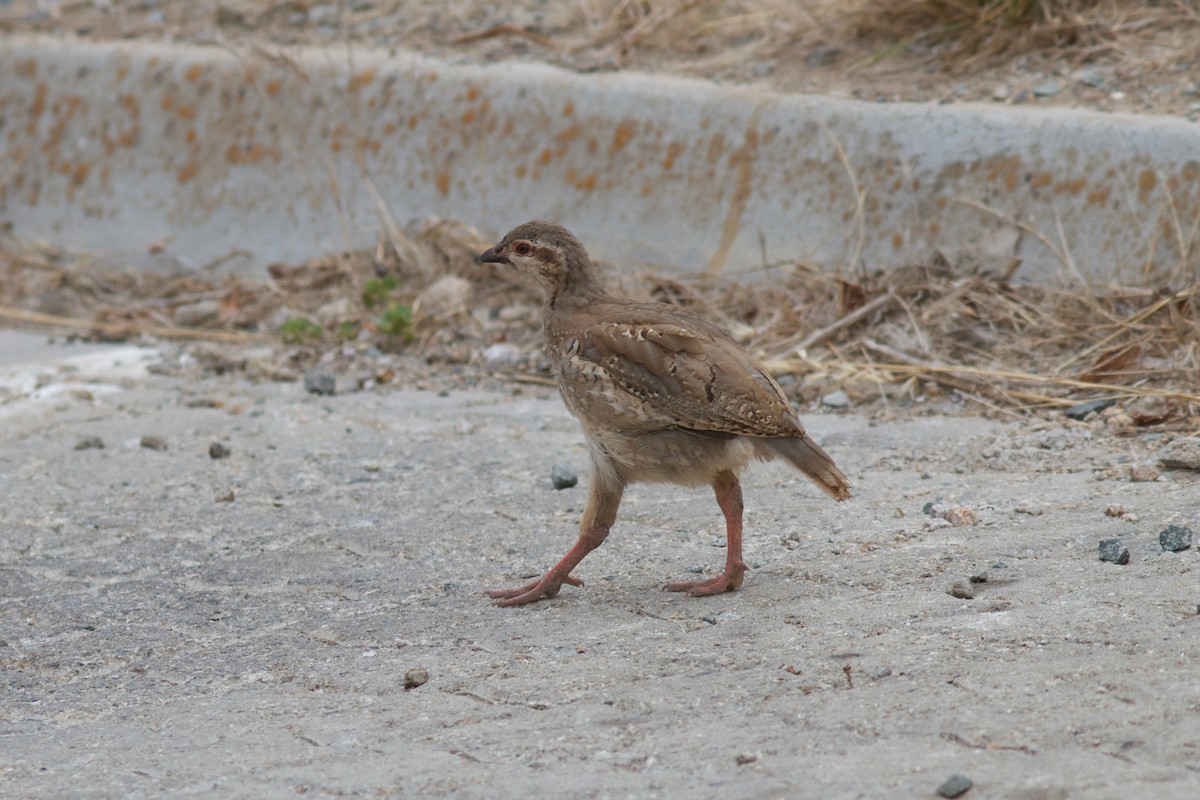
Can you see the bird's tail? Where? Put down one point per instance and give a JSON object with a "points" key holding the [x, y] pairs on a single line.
{"points": [[806, 456]]}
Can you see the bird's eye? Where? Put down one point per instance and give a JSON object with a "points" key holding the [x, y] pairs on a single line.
{"points": [[522, 248]]}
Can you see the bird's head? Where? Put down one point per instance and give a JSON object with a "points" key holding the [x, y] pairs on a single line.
{"points": [[550, 255]]}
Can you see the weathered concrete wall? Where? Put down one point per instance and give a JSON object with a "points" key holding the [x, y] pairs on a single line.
{"points": [[113, 147]]}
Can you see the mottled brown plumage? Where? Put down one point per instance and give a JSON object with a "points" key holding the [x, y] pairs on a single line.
{"points": [[663, 396]]}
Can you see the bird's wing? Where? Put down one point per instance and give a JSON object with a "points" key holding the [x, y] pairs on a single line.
{"points": [[678, 372]]}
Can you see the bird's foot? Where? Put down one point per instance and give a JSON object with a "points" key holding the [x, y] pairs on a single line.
{"points": [[542, 589], [727, 581]]}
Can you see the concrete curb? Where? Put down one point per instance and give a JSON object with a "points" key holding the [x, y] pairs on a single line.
{"points": [[206, 155]]}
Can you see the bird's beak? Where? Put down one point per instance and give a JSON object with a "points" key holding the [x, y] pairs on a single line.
{"points": [[494, 256]]}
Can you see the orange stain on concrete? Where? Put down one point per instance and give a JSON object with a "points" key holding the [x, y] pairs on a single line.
{"points": [[130, 104], [1073, 186], [361, 80], [621, 136], [273, 87], [188, 171], [1098, 196], [193, 73], [39, 101], [442, 181], [568, 109], [1147, 180], [569, 133], [673, 151]]}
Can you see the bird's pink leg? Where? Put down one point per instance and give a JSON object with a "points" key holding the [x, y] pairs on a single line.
{"points": [[601, 511], [729, 498]]}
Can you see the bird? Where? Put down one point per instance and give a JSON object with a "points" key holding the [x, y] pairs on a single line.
{"points": [[662, 395]]}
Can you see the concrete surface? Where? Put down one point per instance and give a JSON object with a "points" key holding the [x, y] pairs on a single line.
{"points": [[177, 625], [247, 158]]}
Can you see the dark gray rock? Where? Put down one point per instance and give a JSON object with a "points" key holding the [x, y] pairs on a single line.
{"points": [[154, 443], [1081, 410], [1114, 551], [954, 786], [562, 478], [1174, 538], [218, 450], [90, 443]]}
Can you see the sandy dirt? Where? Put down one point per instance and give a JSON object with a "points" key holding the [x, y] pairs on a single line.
{"points": [[182, 625]]}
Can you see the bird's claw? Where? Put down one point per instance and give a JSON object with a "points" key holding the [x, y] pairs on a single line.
{"points": [[542, 589], [727, 581]]}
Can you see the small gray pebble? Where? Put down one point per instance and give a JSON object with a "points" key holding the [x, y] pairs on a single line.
{"points": [[822, 56], [979, 577], [218, 450], [502, 356], [962, 590], [90, 443], [320, 381], [1046, 89], [954, 786], [838, 399], [563, 478], [154, 443], [1181, 454], [1114, 550], [414, 678], [1174, 538], [1091, 76], [710, 619]]}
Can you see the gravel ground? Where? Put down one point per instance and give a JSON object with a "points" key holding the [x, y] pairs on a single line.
{"points": [[245, 626]]}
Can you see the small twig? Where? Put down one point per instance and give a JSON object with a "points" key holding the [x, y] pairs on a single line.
{"points": [[505, 29], [1032, 231], [1066, 250], [860, 196], [911, 365], [1126, 324], [128, 328], [865, 310], [538, 380]]}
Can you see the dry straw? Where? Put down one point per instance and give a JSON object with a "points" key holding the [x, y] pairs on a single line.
{"points": [[888, 334]]}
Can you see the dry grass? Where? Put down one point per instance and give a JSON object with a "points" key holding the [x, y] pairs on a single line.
{"points": [[891, 336], [964, 33], [874, 49]]}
